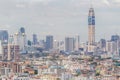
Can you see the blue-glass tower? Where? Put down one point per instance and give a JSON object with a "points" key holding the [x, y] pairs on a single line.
{"points": [[49, 42]]}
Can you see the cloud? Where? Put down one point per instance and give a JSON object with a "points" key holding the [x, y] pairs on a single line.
{"points": [[20, 5], [106, 2], [23, 3], [34, 1], [117, 1], [5, 26]]}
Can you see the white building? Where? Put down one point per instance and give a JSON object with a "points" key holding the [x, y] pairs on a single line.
{"points": [[111, 47], [22, 41], [5, 71], [1, 51], [56, 45]]}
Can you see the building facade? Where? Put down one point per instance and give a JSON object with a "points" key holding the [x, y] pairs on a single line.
{"points": [[4, 35], [49, 42], [69, 44], [91, 30]]}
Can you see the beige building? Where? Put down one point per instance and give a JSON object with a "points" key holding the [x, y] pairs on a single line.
{"points": [[91, 30]]}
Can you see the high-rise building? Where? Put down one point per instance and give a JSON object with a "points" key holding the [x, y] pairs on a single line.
{"points": [[61, 46], [111, 47], [102, 43], [22, 30], [5, 51], [1, 51], [21, 39], [77, 42], [69, 44], [91, 30], [56, 44], [49, 42], [16, 38], [115, 38], [13, 52], [11, 49], [4, 35], [11, 39], [42, 43], [35, 41]]}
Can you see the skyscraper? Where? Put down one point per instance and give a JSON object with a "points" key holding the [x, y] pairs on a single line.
{"points": [[91, 30], [111, 47], [34, 39], [69, 44], [16, 38], [21, 35], [4, 35], [115, 38], [77, 42], [49, 42], [22, 30], [1, 51], [13, 52]]}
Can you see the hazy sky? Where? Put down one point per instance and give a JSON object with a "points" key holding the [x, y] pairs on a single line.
{"points": [[60, 17]]}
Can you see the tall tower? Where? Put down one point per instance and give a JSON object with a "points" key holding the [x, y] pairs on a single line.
{"points": [[69, 44], [35, 41], [91, 30], [49, 42]]}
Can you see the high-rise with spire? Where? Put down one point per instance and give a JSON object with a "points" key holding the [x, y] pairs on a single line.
{"points": [[91, 30]]}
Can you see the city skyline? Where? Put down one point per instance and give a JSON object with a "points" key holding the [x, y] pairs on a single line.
{"points": [[60, 17]]}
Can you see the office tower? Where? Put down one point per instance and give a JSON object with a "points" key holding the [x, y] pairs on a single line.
{"points": [[22, 39], [29, 43], [22, 30], [49, 42], [102, 43], [91, 30], [5, 51], [16, 38], [35, 39], [13, 52], [23, 42], [4, 35], [11, 39], [42, 43], [115, 38], [69, 44], [111, 47], [1, 51], [61, 46], [77, 42], [56, 45]]}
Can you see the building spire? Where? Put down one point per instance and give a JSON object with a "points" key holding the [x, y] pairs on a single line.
{"points": [[91, 29]]}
